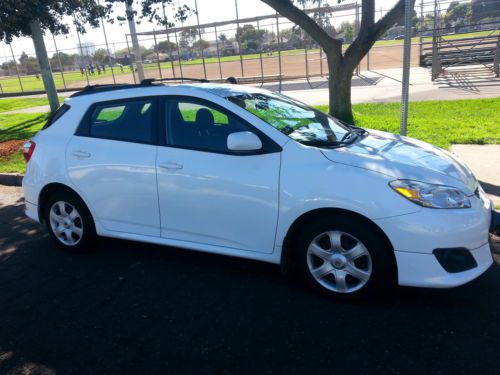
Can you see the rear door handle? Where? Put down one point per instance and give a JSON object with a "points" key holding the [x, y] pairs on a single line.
{"points": [[81, 154], [170, 165]]}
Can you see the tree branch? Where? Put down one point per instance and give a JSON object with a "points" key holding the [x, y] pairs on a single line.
{"points": [[369, 34], [297, 16]]}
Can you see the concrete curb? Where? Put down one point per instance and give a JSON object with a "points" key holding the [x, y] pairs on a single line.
{"points": [[11, 179]]}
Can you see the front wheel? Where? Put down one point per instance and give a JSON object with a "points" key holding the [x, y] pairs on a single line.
{"points": [[344, 259]]}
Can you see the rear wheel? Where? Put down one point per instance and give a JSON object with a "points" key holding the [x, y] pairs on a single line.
{"points": [[69, 222], [344, 259]]}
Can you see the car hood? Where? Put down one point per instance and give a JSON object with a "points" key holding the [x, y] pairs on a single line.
{"points": [[405, 158]]}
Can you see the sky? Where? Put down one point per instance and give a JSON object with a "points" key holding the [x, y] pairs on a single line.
{"points": [[209, 11]]}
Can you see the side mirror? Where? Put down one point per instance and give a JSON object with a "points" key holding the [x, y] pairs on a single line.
{"points": [[243, 141]]}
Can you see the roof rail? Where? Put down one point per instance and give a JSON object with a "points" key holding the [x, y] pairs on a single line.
{"points": [[93, 89], [149, 81]]}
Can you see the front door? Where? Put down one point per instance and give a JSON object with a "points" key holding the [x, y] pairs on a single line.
{"points": [[112, 160], [208, 194]]}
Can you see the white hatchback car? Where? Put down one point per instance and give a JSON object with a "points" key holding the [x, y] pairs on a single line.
{"points": [[246, 172]]}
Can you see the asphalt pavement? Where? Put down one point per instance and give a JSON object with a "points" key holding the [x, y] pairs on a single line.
{"points": [[132, 308]]}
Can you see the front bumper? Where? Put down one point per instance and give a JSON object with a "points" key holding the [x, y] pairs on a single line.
{"points": [[415, 237], [424, 270]]}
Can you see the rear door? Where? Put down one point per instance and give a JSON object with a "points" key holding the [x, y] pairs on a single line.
{"points": [[111, 161]]}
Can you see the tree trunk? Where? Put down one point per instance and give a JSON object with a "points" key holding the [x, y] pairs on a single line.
{"points": [[43, 62], [339, 86]]}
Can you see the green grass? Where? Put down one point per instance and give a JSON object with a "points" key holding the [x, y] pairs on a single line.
{"points": [[18, 126], [441, 123], [10, 104]]}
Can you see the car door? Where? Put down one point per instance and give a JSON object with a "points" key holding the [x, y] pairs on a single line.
{"points": [[111, 160], [208, 194]]}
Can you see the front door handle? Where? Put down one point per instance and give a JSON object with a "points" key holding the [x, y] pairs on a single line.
{"points": [[170, 165], [81, 154]]}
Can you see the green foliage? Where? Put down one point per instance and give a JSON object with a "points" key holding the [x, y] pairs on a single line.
{"points": [[249, 37], [441, 123]]}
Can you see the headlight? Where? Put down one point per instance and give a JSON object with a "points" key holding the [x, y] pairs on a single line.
{"points": [[429, 195]]}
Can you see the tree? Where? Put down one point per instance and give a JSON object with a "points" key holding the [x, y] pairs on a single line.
{"points": [[31, 18], [66, 60], [458, 14], [101, 56], [347, 28], [187, 37], [485, 9], [223, 38], [249, 37], [341, 64], [165, 46], [28, 64], [200, 45]]}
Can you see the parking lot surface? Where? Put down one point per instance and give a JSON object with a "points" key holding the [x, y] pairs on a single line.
{"points": [[142, 309]]}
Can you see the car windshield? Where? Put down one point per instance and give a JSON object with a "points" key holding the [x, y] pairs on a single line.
{"points": [[297, 120]]}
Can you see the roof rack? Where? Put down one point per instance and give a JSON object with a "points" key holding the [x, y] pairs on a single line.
{"points": [[93, 89], [149, 81]]}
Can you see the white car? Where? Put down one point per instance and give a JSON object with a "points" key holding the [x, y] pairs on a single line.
{"points": [[241, 171]]}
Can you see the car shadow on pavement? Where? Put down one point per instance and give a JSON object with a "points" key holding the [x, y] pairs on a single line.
{"points": [[130, 307]]}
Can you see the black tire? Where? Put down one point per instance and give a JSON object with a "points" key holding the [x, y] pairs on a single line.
{"points": [[84, 221], [379, 263]]}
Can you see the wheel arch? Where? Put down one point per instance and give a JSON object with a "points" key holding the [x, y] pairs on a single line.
{"points": [[50, 189], [287, 260]]}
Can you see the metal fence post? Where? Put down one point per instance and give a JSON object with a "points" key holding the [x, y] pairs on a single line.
{"points": [[199, 35], [17, 70], [111, 63], [496, 61], [238, 39], [356, 28], [168, 39], [260, 54], [406, 68], [279, 49], [157, 53], [82, 63], [435, 51], [178, 52], [59, 61], [130, 58], [218, 52]]}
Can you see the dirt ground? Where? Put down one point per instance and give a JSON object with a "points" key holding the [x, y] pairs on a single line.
{"points": [[291, 66], [7, 148]]}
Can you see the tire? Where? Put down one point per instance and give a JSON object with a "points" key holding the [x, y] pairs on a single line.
{"points": [[69, 222], [345, 259]]}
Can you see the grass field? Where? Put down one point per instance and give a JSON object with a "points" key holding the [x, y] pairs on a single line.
{"points": [[441, 123], [9, 104], [31, 83]]}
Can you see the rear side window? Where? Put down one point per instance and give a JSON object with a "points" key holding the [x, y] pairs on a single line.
{"points": [[128, 121], [56, 115]]}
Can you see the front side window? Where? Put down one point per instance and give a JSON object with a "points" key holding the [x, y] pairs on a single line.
{"points": [[298, 121], [127, 121], [200, 125]]}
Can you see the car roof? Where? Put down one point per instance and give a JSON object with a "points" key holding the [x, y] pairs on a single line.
{"points": [[116, 92]]}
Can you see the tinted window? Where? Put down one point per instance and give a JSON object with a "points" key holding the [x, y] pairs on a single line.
{"points": [[128, 121], [201, 126]]}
